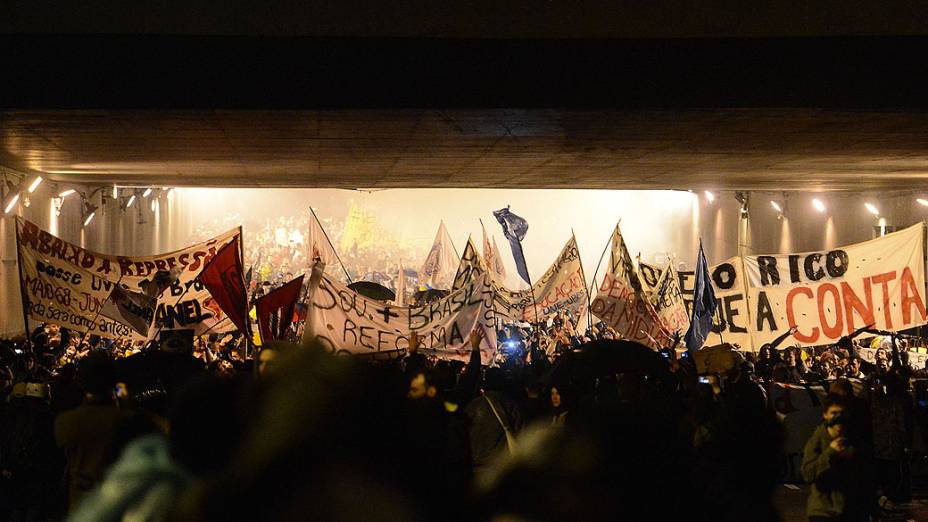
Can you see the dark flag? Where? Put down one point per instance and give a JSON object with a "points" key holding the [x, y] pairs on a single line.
{"points": [[224, 277], [704, 305], [135, 309], [283, 299], [514, 228]]}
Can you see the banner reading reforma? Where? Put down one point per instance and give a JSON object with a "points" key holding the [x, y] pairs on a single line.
{"points": [[65, 284], [344, 321], [831, 294]]}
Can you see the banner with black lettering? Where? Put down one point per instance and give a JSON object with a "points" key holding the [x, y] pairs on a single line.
{"points": [[344, 321], [561, 287], [667, 299], [622, 304], [828, 295], [65, 284], [732, 324]]}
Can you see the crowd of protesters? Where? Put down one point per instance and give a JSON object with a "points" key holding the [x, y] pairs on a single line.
{"points": [[566, 424]]}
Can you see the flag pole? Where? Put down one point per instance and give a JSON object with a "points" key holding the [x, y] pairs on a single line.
{"points": [[589, 304], [324, 233], [531, 289], [600, 262], [22, 291], [249, 337]]}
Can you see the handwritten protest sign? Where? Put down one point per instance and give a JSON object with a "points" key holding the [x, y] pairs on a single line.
{"points": [[65, 284], [830, 294], [347, 322]]}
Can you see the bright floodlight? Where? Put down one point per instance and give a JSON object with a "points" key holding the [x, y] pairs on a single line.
{"points": [[66, 193], [11, 204], [146, 193], [776, 206], [35, 184], [710, 196], [131, 201], [89, 218], [872, 209], [817, 203], [922, 202]]}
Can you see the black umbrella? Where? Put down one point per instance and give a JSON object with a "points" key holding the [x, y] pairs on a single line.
{"points": [[373, 290], [608, 357], [429, 295]]}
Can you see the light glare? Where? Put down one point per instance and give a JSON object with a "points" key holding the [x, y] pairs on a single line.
{"points": [[131, 201], [35, 184], [872, 209], [817, 203], [710, 196], [146, 193], [66, 193], [89, 218], [11, 204], [776, 206], [922, 202]]}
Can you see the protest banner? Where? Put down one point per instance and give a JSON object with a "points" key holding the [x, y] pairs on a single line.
{"points": [[732, 323], [666, 297], [915, 359], [830, 294], [67, 285], [649, 275], [344, 321], [621, 303], [561, 287]]}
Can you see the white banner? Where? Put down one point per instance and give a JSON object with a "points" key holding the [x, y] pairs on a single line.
{"points": [[916, 360], [830, 294], [560, 288], [731, 324], [667, 300], [344, 321], [70, 286], [440, 265], [621, 303]]}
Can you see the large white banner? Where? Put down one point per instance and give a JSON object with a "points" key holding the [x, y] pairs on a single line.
{"points": [[67, 285], [344, 321], [830, 294], [732, 322]]}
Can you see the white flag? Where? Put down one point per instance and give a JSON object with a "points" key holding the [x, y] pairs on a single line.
{"points": [[440, 266], [318, 245], [497, 266]]}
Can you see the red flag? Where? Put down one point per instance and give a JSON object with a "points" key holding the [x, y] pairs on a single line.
{"points": [[224, 277], [283, 299]]}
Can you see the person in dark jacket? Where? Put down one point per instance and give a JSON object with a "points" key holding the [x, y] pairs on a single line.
{"points": [[837, 463]]}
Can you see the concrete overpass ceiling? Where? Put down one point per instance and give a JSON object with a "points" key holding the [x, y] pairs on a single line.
{"points": [[738, 149], [581, 94]]}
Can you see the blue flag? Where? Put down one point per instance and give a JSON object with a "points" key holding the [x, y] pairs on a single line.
{"points": [[704, 305], [514, 228]]}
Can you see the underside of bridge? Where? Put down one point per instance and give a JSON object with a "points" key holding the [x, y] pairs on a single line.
{"points": [[585, 95]]}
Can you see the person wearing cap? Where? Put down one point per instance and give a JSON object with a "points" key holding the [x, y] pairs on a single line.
{"points": [[837, 463]]}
